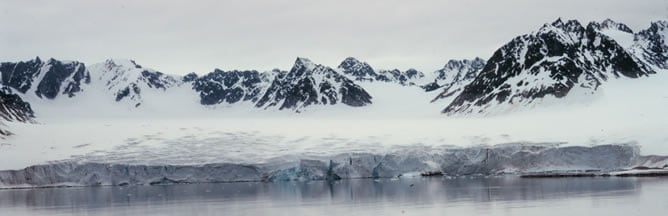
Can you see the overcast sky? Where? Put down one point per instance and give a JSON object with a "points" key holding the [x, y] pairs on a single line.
{"points": [[184, 36]]}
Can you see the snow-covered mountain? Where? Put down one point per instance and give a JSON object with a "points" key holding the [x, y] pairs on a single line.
{"points": [[560, 58], [563, 59], [408, 77], [362, 71], [127, 81], [128, 84], [308, 84], [652, 44], [649, 45], [610, 25], [454, 76], [13, 108], [231, 86], [45, 79]]}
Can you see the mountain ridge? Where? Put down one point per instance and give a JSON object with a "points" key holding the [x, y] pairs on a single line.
{"points": [[553, 61], [557, 58]]}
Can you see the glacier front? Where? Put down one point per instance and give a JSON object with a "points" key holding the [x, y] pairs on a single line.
{"points": [[512, 158]]}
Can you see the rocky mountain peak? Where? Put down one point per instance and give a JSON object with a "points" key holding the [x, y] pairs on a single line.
{"points": [[566, 26], [454, 76], [125, 63], [609, 24], [126, 80], [659, 25], [308, 84], [559, 57], [349, 62], [651, 44], [229, 86], [303, 64], [357, 69], [45, 79], [553, 60], [454, 67]]}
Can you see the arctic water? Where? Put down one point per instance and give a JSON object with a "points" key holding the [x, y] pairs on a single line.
{"points": [[405, 196]]}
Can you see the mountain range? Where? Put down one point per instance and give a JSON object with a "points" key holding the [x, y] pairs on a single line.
{"points": [[560, 59]]}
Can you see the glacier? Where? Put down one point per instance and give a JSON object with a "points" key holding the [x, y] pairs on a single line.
{"points": [[511, 158]]}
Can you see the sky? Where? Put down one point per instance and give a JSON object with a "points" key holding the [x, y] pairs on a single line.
{"points": [[178, 37]]}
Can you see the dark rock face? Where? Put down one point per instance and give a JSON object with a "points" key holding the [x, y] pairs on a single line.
{"points": [[48, 79], [362, 71], [653, 44], [57, 77], [231, 86], [127, 91], [20, 75], [407, 77], [359, 70], [390, 75], [413, 74], [354, 95], [13, 108], [308, 84], [454, 76], [156, 79], [559, 57], [431, 86], [189, 77]]}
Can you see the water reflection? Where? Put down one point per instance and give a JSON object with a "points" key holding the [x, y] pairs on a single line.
{"points": [[357, 195]]}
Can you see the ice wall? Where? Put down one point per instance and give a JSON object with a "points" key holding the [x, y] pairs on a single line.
{"points": [[493, 160]]}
